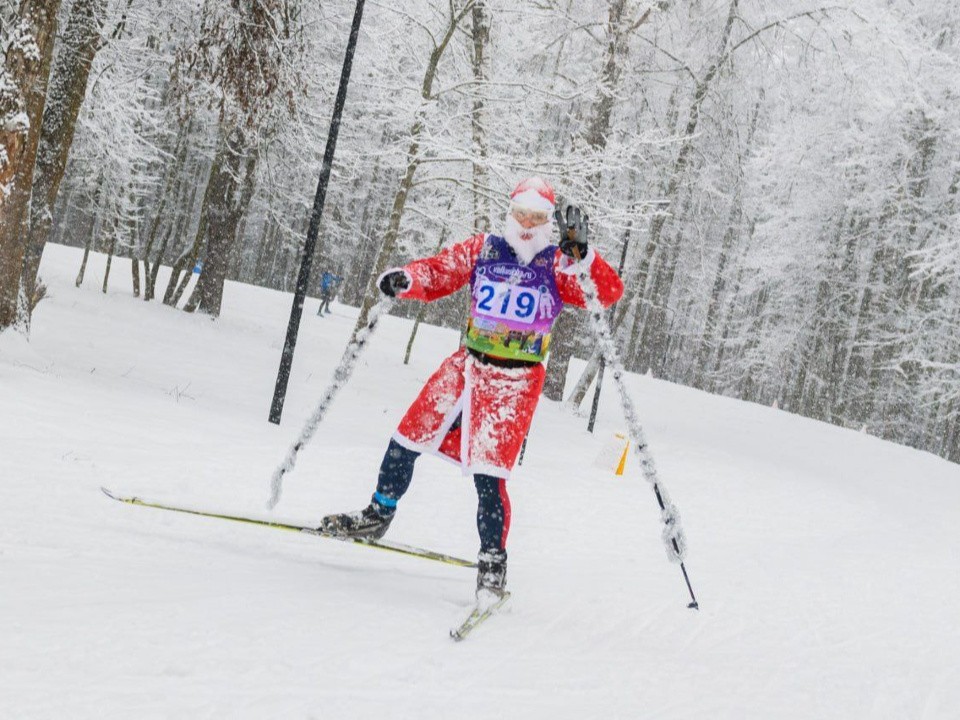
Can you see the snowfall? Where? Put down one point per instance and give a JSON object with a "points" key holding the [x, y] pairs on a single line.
{"points": [[825, 560]]}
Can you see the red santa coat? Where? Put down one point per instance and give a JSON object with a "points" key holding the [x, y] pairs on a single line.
{"points": [[495, 404]]}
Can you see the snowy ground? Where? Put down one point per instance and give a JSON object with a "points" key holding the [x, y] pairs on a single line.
{"points": [[824, 560]]}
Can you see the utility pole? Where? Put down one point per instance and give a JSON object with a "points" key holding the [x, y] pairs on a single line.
{"points": [[303, 279]]}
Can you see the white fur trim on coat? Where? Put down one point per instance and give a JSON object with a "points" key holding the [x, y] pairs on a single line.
{"points": [[570, 266], [531, 199]]}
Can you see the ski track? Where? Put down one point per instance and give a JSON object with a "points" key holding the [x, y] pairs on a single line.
{"points": [[823, 559]]}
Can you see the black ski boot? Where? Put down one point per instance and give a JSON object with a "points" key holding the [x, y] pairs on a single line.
{"points": [[366, 523], [491, 574]]}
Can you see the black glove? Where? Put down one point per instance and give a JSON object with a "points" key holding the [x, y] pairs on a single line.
{"points": [[574, 228], [394, 282]]}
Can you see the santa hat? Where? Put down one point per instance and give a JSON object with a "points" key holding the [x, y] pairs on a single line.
{"points": [[535, 194]]}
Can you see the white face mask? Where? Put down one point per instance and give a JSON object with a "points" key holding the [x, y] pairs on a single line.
{"points": [[527, 242]]}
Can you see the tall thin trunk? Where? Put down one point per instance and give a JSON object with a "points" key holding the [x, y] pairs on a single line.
{"points": [[135, 275], [481, 37], [184, 213], [268, 243], [564, 335], [94, 230], [180, 278], [413, 161], [111, 248], [188, 259], [170, 188]]}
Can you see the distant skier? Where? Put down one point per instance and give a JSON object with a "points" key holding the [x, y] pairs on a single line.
{"points": [[477, 407], [329, 284]]}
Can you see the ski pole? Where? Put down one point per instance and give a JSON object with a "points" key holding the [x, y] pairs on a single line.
{"points": [[599, 383], [340, 376], [673, 536]]}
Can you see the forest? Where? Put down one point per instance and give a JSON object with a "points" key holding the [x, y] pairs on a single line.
{"points": [[778, 182]]}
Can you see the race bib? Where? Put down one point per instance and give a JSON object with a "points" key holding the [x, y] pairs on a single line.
{"points": [[507, 302], [513, 305]]}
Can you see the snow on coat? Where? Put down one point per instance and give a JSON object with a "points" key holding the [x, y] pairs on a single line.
{"points": [[494, 404]]}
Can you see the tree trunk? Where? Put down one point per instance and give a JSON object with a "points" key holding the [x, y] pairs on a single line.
{"points": [[176, 230], [481, 37], [135, 275], [83, 263], [171, 187], [656, 336], [180, 277], [269, 233], [224, 211], [110, 250], [68, 88], [29, 70], [94, 230], [188, 259]]}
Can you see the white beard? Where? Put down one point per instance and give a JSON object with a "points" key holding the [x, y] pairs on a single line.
{"points": [[526, 243]]}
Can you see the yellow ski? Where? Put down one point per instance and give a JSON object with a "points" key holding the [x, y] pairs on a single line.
{"points": [[377, 544]]}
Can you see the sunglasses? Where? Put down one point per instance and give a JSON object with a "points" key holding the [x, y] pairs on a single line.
{"points": [[537, 217]]}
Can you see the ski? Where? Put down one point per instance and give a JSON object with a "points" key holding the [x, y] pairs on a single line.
{"points": [[377, 544], [477, 616]]}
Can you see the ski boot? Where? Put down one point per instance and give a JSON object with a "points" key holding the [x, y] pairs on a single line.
{"points": [[491, 575], [367, 523]]}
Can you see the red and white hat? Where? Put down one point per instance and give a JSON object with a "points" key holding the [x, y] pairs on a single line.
{"points": [[534, 194]]}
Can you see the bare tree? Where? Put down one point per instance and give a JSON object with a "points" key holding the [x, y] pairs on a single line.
{"points": [[618, 28], [453, 18]]}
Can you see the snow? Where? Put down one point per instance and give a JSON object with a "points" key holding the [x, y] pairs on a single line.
{"points": [[824, 560]]}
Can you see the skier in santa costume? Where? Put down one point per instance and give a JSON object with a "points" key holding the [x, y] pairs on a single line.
{"points": [[476, 408]]}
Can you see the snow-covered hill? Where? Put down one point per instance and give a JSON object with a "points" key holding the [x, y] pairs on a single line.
{"points": [[824, 560]]}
